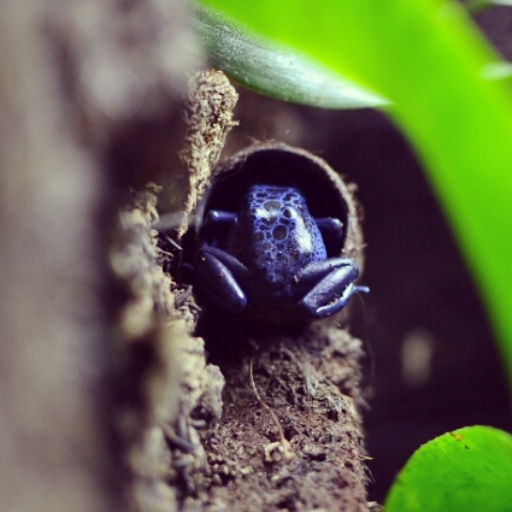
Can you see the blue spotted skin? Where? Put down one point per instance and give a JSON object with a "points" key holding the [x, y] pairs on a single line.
{"points": [[272, 261], [275, 236]]}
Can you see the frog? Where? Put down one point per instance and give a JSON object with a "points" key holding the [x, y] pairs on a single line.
{"points": [[270, 258]]}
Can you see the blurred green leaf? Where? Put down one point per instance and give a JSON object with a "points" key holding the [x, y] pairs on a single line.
{"points": [[427, 58], [274, 70], [468, 469]]}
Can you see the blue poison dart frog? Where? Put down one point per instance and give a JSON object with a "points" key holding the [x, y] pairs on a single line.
{"points": [[270, 260]]}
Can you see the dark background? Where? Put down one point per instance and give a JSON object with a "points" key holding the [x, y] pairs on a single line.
{"points": [[421, 292]]}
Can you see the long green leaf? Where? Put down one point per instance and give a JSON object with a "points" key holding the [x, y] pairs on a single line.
{"points": [[272, 69], [428, 59]]}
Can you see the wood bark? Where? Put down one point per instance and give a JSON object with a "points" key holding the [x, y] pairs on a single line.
{"points": [[80, 82]]}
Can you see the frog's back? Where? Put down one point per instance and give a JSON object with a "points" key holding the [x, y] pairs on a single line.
{"points": [[275, 235]]}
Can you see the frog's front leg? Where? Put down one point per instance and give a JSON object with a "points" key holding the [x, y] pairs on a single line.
{"points": [[221, 276], [331, 286]]}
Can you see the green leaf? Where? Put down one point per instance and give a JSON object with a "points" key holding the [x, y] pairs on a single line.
{"points": [[428, 59], [273, 69], [468, 469]]}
